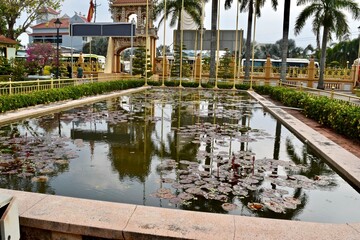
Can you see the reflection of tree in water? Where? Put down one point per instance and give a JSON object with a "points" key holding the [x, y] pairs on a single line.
{"points": [[132, 159], [312, 165], [26, 184], [28, 155]]}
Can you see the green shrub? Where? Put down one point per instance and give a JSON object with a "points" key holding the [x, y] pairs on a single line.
{"points": [[333, 113], [12, 102]]}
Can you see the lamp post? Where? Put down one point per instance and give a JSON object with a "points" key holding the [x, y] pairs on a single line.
{"points": [[57, 25], [132, 45]]}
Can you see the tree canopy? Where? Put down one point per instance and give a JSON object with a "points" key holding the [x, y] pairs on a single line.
{"points": [[330, 16], [11, 10]]}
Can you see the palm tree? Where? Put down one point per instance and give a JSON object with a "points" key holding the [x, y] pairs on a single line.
{"points": [[329, 15], [249, 5], [173, 10], [214, 16], [285, 40]]}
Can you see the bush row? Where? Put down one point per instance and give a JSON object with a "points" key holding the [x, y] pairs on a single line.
{"points": [[16, 101], [333, 113]]}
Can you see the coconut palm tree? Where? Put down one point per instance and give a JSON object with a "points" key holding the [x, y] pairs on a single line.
{"points": [[249, 5], [214, 16], [328, 15], [173, 11], [285, 40]]}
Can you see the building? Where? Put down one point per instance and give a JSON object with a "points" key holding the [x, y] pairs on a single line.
{"points": [[46, 31], [7, 47]]}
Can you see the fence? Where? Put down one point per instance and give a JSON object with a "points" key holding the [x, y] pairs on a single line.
{"points": [[334, 78], [12, 87]]}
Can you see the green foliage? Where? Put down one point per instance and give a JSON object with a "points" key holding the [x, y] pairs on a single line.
{"points": [[139, 62], [344, 52], [175, 68], [338, 115], [12, 102], [12, 10], [5, 67], [225, 70], [18, 70]]}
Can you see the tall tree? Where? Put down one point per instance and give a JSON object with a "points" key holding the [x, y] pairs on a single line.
{"points": [[11, 11], [213, 46], [329, 15], [173, 11], [249, 5], [285, 40]]}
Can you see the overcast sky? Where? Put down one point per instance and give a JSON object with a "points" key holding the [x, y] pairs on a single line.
{"points": [[268, 27]]}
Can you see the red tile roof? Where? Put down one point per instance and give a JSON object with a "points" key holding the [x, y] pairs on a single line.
{"points": [[6, 40], [64, 24]]}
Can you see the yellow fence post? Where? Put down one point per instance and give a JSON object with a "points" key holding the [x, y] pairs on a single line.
{"points": [[268, 68], [52, 83], [311, 72], [10, 87], [38, 84], [332, 92], [91, 77]]}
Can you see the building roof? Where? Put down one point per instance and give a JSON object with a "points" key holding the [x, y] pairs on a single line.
{"points": [[51, 24], [48, 10], [65, 22], [48, 34], [6, 40], [127, 2]]}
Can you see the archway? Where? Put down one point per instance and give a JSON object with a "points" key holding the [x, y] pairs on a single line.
{"points": [[124, 11]]}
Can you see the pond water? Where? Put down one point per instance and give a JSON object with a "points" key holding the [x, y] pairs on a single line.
{"points": [[196, 150]]}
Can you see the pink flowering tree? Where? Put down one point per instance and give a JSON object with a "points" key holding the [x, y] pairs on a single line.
{"points": [[38, 56]]}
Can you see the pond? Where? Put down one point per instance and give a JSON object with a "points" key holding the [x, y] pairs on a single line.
{"points": [[199, 150]]}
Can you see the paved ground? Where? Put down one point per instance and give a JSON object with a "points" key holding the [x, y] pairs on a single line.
{"points": [[351, 145]]}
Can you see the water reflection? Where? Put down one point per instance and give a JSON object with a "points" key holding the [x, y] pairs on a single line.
{"points": [[195, 150]]}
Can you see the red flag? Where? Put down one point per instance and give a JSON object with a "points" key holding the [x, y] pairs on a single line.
{"points": [[91, 11]]}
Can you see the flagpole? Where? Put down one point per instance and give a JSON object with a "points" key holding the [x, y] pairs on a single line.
{"points": [[95, 6]]}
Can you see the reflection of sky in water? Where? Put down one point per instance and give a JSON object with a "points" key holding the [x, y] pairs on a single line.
{"points": [[95, 174]]}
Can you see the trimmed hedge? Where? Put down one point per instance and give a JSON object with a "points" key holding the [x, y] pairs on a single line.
{"points": [[16, 101], [333, 113]]}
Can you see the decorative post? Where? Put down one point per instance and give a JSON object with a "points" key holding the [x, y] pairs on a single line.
{"points": [[10, 86], [268, 68], [311, 72]]}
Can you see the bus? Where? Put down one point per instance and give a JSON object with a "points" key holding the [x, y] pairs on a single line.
{"points": [[290, 62], [91, 62]]}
